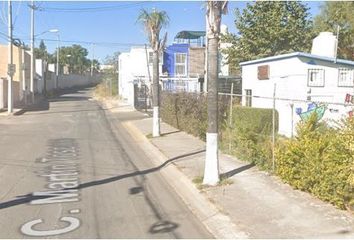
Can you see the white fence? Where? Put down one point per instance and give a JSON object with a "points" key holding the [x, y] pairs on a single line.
{"points": [[181, 85]]}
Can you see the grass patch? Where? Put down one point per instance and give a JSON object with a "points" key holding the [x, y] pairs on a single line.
{"points": [[148, 136], [224, 181]]}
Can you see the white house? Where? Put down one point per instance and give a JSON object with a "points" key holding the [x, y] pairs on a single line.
{"points": [[300, 79], [135, 66]]}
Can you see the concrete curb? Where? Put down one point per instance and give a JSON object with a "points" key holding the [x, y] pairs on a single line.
{"points": [[217, 223]]}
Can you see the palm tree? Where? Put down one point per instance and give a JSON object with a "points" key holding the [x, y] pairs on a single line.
{"points": [[153, 23], [214, 12]]}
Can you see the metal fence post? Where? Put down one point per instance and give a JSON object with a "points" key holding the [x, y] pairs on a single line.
{"points": [[230, 117], [273, 130]]}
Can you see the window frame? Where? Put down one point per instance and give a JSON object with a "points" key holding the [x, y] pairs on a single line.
{"points": [[181, 64], [319, 71], [248, 99], [351, 75]]}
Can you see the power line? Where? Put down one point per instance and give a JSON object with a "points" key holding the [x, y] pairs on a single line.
{"points": [[93, 9]]}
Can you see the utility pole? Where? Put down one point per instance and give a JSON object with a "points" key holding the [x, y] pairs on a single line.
{"points": [[32, 6], [10, 70], [93, 55], [57, 70]]}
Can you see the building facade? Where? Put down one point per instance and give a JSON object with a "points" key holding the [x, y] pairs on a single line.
{"points": [[301, 83]]}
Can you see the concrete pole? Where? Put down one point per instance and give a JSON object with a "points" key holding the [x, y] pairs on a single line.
{"points": [[57, 69], [10, 60], [24, 82], [32, 53], [93, 55]]}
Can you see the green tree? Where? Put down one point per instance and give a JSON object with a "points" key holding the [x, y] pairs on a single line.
{"points": [[214, 12], [153, 22], [41, 52], [332, 15], [269, 28], [75, 57]]}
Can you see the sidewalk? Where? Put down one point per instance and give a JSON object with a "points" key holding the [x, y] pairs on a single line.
{"points": [[18, 110], [257, 204]]}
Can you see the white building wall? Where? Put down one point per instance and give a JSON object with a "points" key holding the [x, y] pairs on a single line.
{"points": [[133, 66], [290, 76]]}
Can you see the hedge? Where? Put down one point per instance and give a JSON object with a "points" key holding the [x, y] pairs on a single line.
{"points": [[188, 112], [249, 133], [320, 160]]}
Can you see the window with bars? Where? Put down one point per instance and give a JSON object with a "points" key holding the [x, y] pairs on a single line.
{"points": [[315, 78], [345, 77], [181, 64]]}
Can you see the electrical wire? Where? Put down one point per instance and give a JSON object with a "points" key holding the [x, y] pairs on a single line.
{"points": [[93, 9]]}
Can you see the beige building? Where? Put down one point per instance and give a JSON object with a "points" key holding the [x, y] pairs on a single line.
{"points": [[21, 78]]}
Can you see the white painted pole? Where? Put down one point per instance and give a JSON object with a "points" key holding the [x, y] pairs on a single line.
{"points": [[10, 60]]}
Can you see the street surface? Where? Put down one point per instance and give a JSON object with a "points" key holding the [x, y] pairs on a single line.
{"points": [[68, 169]]}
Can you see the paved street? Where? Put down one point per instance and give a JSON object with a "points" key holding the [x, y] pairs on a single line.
{"points": [[67, 172]]}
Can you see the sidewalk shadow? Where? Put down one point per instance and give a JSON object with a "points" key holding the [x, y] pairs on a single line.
{"points": [[44, 104], [236, 171]]}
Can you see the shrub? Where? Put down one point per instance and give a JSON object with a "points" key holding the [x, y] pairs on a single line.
{"points": [[320, 161], [188, 112], [250, 134]]}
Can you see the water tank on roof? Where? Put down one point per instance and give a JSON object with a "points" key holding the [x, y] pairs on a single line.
{"points": [[325, 44]]}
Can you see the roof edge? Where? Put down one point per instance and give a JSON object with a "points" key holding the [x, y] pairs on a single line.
{"points": [[298, 54]]}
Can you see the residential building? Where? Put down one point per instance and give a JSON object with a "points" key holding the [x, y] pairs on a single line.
{"points": [[135, 68], [300, 82], [21, 78]]}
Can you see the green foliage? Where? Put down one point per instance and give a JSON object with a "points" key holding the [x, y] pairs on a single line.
{"points": [[188, 112], [320, 160], [250, 134], [41, 52], [332, 15], [269, 28], [75, 57], [153, 22]]}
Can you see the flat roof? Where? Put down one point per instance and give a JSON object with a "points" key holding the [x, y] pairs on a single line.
{"points": [[298, 54], [190, 34]]}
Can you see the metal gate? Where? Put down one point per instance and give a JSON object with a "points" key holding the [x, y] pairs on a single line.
{"points": [[141, 97]]}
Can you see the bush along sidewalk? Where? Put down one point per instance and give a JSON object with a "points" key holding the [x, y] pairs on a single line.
{"points": [[320, 160]]}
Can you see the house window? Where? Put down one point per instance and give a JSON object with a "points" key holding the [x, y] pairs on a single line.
{"points": [[345, 77], [263, 72], [315, 78], [248, 97], [181, 64]]}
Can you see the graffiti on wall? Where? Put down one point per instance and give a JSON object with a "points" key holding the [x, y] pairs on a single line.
{"points": [[319, 109]]}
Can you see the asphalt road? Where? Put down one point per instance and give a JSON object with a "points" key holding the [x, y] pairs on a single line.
{"points": [[68, 169]]}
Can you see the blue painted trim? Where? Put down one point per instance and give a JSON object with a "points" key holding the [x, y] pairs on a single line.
{"points": [[298, 54]]}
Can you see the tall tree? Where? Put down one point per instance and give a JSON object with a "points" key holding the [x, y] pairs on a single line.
{"points": [[75, 57], [214, 12], [41, 52], [153, 22], [267, 28], [332, 15]]}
